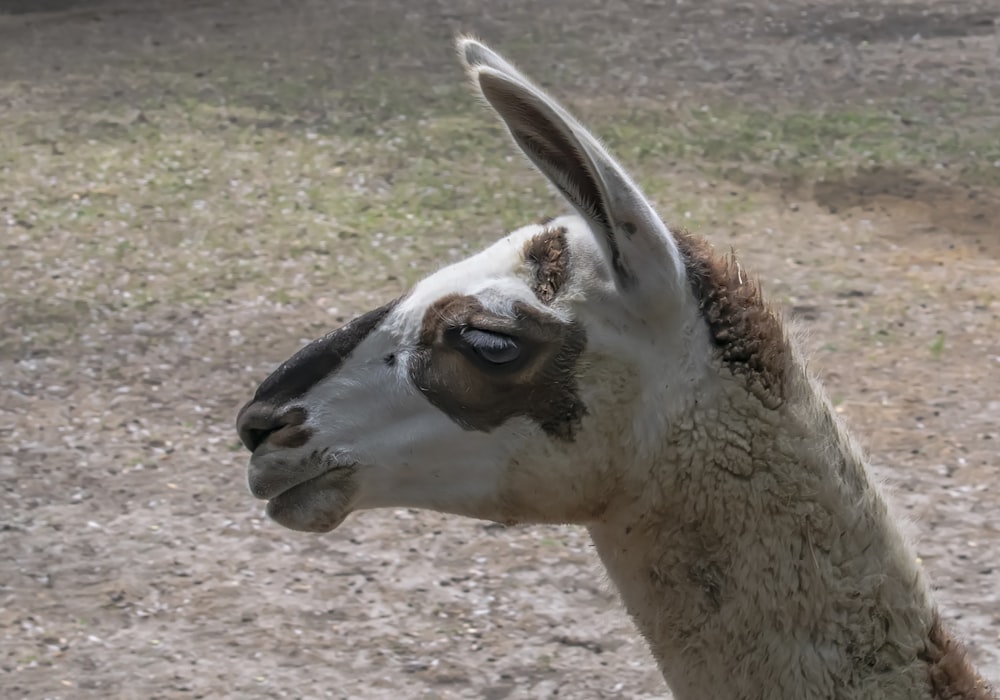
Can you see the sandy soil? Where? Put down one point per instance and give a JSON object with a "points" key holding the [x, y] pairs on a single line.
{"points": [[134, 564]]}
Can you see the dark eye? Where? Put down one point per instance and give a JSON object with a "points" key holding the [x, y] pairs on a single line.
{"points": [[495, 348]]}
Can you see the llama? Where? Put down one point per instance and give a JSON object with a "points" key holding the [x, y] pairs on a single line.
{"points": [[604, 370]]}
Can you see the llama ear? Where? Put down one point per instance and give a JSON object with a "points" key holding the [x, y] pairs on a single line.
{"points": [[639, 247]]}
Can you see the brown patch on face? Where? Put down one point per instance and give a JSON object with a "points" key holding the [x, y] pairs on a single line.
{"points": [[548, 255], [541, 384], [748, 334], [951, 674]]}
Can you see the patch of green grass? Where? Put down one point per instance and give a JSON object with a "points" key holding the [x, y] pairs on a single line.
{"points": [[937, 346], [807, 144], [543, 662], [198, 202], [297, 191]]}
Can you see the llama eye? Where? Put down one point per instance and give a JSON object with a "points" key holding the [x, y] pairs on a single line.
{"points": [[495, 348]]}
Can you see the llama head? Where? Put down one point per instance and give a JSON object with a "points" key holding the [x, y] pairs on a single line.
{"points": [[516, 385]]}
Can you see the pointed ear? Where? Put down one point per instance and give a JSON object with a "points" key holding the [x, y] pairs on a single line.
{"points": [[639, 247]]}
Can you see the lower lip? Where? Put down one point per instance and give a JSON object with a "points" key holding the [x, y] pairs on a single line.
{"points": [[320, 505], [335, 468]]}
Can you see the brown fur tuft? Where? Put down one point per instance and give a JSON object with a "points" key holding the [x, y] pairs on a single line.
{"points": [[548, 254], [747, 332], [951, 674]]}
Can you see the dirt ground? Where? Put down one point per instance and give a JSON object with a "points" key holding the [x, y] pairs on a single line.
{"points": [[155, 264]]}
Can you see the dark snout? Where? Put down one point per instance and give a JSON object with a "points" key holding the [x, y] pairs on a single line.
{"points": [[277, 412], [257, 423]]}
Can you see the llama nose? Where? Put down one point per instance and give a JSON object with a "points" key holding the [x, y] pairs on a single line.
{"points": [[256, 423]]}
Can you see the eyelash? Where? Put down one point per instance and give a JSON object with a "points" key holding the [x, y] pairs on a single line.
{"points": [[490, 346]]}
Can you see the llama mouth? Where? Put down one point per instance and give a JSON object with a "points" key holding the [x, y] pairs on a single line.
{"points": [[269, 476], [318, 504]]}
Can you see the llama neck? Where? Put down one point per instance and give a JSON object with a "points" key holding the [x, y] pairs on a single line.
{"points": [[771, 566]]}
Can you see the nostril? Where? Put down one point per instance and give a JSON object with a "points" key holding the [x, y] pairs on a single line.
{"points": [[256, 423], [255, 437], [254, 431]]}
